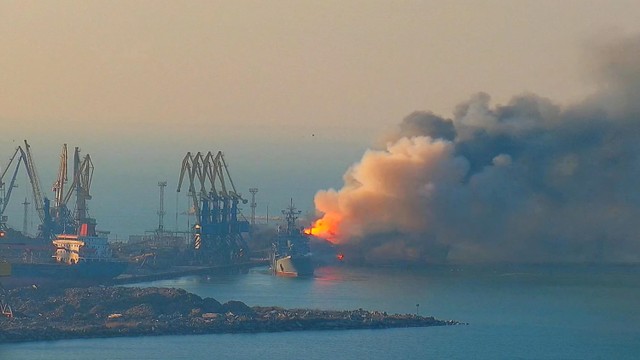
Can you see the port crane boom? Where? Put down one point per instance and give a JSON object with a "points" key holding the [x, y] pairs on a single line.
{"points": [[217, 228], [6, 192], [58, 186], [35, 180]]}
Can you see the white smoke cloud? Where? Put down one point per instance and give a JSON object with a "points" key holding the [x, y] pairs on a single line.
{"points": [[528, 181]]}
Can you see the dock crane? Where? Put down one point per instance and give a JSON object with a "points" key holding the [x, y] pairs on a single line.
{"points": [[6, 191], [55, 219], [58, 218], [35, 181], [24, 157], [217, 230]]}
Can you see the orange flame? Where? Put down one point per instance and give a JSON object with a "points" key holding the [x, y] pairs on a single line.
{"points": [[325, 228]]}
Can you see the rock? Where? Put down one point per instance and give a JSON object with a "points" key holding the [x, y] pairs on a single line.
{"points": [[89, 312], [237, 308], [210, 305]]}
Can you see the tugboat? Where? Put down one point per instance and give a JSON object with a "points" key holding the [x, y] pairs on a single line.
{"points": [[290, 254]]}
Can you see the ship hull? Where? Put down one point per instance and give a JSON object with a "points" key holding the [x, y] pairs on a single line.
{"points": [[56, 274], [292, 265]]}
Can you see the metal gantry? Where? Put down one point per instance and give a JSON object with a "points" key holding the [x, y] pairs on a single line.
{"points": [[23, 156], [35, 181], [55, 219], [58, 218], [6, 192], [217, 231]]}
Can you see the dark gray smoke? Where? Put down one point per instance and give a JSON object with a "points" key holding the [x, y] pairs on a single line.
{"points": [[529, 181]]}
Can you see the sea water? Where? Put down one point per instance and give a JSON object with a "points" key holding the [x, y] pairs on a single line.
{"points": [[513, 312]]}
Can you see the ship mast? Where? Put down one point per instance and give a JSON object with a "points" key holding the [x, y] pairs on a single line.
{"points": [[291, 217]]}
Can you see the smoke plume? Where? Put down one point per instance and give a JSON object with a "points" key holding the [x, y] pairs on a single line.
{"points": [[529, 181]]}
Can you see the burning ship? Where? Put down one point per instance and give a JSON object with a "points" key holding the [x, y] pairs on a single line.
{"points": [[290, 253], [68, 249]]}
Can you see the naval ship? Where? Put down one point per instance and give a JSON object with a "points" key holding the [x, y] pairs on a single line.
{"points": [[290, 254]]}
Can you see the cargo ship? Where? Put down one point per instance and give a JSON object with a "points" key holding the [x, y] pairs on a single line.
{"points": [[84, 259], [44, 274], [290, 254]]}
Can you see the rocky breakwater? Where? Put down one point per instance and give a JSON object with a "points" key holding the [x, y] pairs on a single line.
{"points": [[121, 311]]}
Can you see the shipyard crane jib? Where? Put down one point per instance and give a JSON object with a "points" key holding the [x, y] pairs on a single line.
{"points": [[83, 174], [62, 220], [189, 168], [34, 179], [4, 172], [58, 186], [6, 193], [205, 175], [233, 187], [217, 228]]}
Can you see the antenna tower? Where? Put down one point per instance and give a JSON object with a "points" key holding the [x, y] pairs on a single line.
{"points": [[253, 192], [161, 212], [26, 216]]}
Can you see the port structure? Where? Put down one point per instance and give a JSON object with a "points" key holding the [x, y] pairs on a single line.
{"points": [[253, 192], [161, 212], [217, 232], [26, 216], [20, 157], [57, 218], [16, 160], [34, 179]]}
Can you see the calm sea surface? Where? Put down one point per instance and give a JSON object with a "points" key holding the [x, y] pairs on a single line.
{"points": [[524, 312]]}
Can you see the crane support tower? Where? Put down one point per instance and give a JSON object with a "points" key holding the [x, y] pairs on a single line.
{"points": [[217, 237]]}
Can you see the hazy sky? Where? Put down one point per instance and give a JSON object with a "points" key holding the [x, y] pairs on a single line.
{"points": [[292, 92]]}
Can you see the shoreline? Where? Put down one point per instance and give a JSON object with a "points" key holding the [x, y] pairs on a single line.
{"points": [[106, 312]]}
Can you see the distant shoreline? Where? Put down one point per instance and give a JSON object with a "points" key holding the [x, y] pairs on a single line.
{"points": [[105, 312]]}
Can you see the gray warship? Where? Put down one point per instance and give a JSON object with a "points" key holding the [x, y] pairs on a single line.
{"points": [[290, 253]]}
